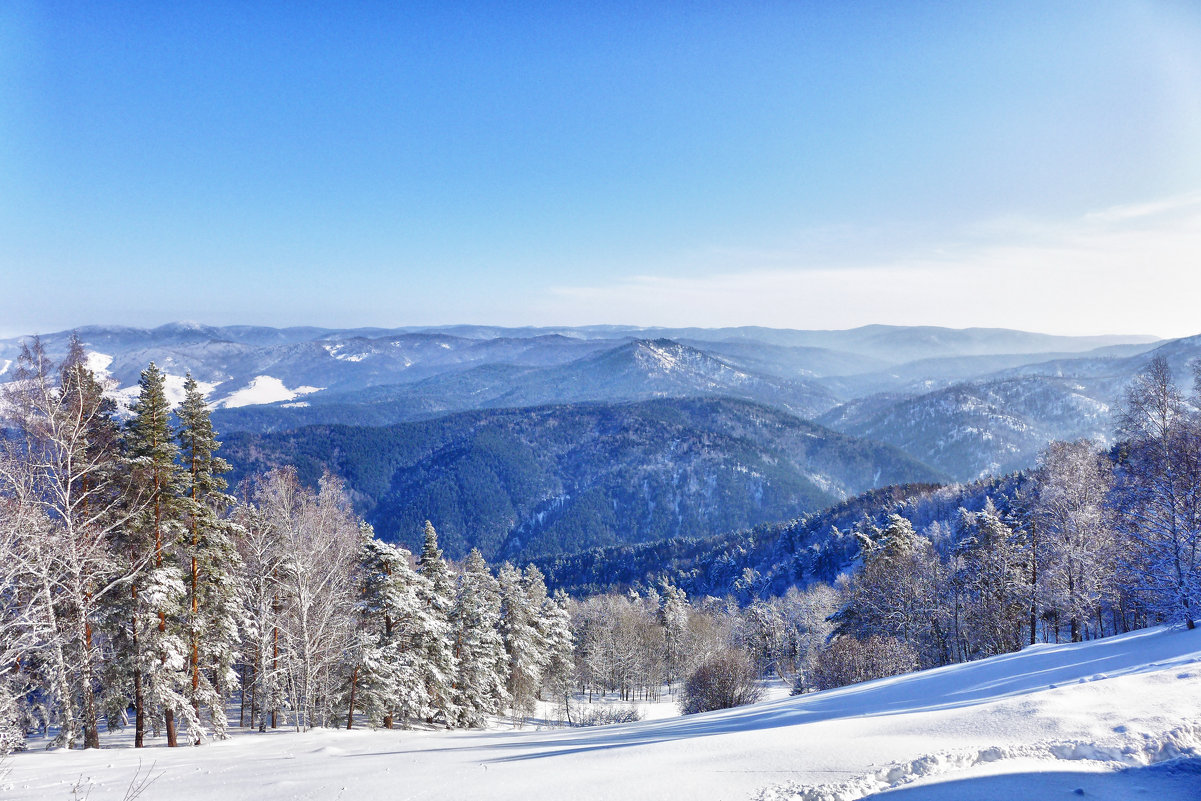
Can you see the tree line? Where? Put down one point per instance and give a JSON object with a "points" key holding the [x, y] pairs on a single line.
{"points": [[1090, 543], [136, 591]]}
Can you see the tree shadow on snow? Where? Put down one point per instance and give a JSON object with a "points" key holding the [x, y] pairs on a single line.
{"points": [[952, 687]]}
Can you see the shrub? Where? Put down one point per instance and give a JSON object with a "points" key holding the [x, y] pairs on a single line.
{"points": [[722, 682], [603, 715], [849, 660]]}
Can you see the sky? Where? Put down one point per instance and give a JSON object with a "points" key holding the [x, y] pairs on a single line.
{"points": [[1027, 165]]}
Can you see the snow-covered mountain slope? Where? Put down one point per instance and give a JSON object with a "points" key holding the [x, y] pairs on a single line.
{"points": [[556, 479], [971, 430], [1114, 718], [968, 401]]}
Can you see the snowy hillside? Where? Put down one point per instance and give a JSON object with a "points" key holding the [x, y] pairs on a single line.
{"points": [[971, 430], [1116, 718], [966, 402]]}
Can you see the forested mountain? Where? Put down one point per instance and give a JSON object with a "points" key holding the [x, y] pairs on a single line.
{"points": [[555, 479], [636, 370], [968, 403], [971, 430], [765, 561]]}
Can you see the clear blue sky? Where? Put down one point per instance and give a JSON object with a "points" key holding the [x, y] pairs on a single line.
{"points": [[800, 164]]}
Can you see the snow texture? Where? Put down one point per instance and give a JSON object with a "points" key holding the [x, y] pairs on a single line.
{"points": [[1113, 718], [264, 389]]}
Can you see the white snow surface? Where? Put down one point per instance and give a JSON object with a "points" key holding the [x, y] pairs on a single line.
{"points": [[264, 389], [98, 363], [1118, 718]]}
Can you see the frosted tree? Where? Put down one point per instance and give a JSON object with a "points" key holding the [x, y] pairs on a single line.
{"points": [[152, 641], [1159, 492], [1072, 511], [25, 629], [559, 645], [435, 643], [895, 594], [387, 679], [479, 649], [990, 568], [318, 541], [213, 610], [673, 616], [524, 644], [64, 458], [260, 593]]}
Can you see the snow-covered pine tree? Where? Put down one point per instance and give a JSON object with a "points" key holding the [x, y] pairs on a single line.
{"points": [[385, 674], [523, 641], [156, 648], [435, 644], [213, 610], [479, 649], [559, 645], [991, 569], [895, 593]]}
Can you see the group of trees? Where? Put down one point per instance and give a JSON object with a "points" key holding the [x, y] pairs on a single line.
{"points": [[636, 646], [135, 590], [1091, 543]]}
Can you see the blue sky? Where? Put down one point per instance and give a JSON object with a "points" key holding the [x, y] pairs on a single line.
{"points": [[1032, 165]]}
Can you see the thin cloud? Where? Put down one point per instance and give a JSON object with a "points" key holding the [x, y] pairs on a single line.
{"points": [[1130, 269]]}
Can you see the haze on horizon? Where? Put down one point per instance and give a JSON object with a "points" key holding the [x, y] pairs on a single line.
{"points": [[1022, 165]]}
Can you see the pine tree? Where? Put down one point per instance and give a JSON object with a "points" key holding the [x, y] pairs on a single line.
{"points": [[479, 649], [213, 613], [434, 645], [991, 570], [156, 645], [386, 679], [524, 644]]}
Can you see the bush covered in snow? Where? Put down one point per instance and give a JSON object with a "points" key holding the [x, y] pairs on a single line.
{"points": [[849, 660], [724, 681], [603, 715]]}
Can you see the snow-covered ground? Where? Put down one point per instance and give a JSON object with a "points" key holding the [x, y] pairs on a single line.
{"points": [[1116, 718]]}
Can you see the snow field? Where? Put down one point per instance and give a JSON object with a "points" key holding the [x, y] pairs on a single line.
{"points": [[1114, 718]]}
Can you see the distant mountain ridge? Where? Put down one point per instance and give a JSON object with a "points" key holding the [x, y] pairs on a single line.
{"points": [[967, 402], [555, 479]]}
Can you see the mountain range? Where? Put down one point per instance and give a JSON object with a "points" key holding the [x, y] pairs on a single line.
{"points": [[430, 422]]}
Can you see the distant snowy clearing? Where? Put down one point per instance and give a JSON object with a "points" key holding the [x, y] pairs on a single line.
{"points": [[264, 389], [1115, 718]]}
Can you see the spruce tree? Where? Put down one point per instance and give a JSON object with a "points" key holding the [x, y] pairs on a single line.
{"points": [[386, 679], [559, 645], [524, 644], [438, 664], [156, 655], [479, 650], [213, 613]]}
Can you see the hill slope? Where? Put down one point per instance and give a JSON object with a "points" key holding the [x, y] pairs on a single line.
{"points": [[556, 479], [1113, 718]]}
